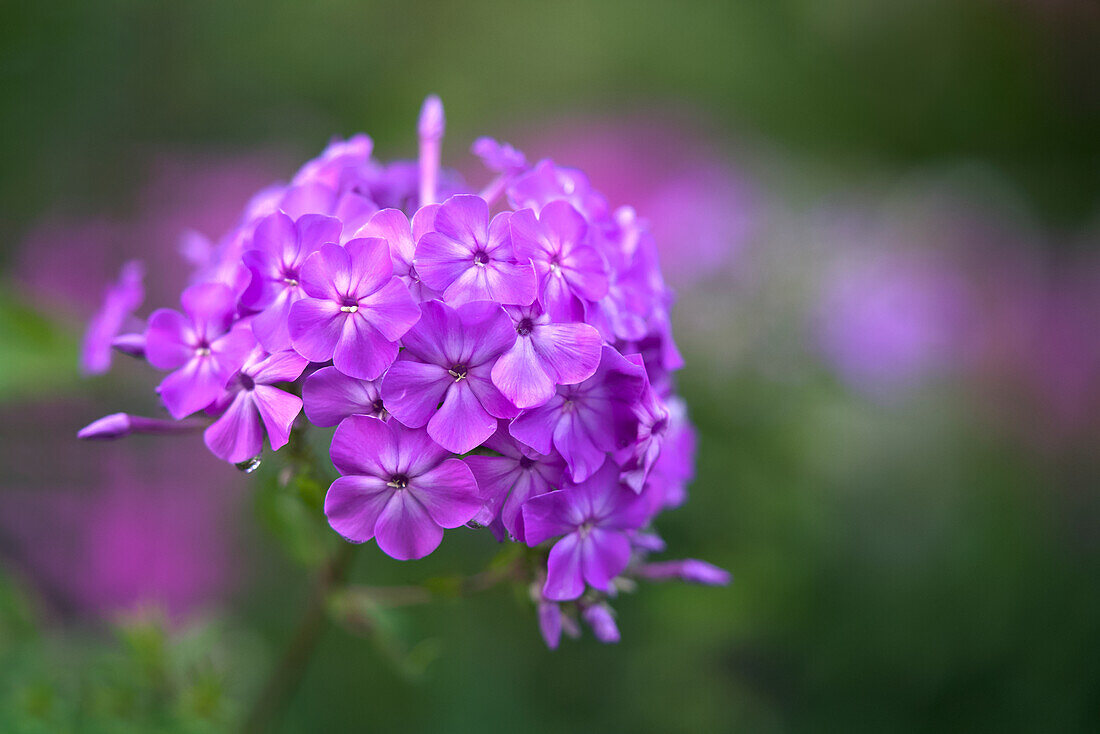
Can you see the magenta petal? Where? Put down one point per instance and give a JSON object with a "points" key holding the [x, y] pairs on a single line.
{"points": [[353, 505], [550, 624], [449, 493], [465, 218], [564, 580], [284, 366], [495, 476], [570, 352], [371, 265], [586, 274], [361, 351], [461, 424], [393, 226], [405, 530], [416, 451], [565, 224], [520, 376], [166, 339], [488, 330], [277, 237], [490, 397], [574, 440], [270, 325], [278, 410], [330, 396], [440, 260], [512, 283], [391, 310], [192, 387], [326, 273], [236, 436], [364, 445], [438, 336], [604, 555], [535, 427], [315, 327], [412, 390], [211, 307], [548, 516]]}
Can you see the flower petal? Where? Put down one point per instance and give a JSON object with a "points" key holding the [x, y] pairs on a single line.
{"points": [[570, 353], [278, 410], [461, 424], [520, 376], [604, 555], [315, 326], [412, 390], [364, 445], [391, 310], [237, 435], [564, 580], [449, 493], [405, 530], [330, 396], [361, 351], [353, 505]]}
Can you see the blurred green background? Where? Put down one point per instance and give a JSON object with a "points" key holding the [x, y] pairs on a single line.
{"points": [[914, 564]]}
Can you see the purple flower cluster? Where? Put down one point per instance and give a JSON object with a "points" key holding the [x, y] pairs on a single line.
{"points": [[499, 359]]}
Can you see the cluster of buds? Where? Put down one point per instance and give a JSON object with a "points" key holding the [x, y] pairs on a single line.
{"points": [[500, 359]]}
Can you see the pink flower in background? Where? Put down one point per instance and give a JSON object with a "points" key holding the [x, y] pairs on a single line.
{"points": [[888, 320], [129, 524]]}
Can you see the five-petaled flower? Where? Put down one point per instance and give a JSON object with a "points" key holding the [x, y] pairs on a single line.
{"points": [[356, 309], [593, 518], [398, 487], [202, 345], [442, 378], [469, 258]]}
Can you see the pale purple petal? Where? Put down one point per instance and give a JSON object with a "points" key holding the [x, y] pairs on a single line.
{"points": [[405, 530], [449, 493], [568, 352], [330, 396], [237, 435], [353, 505], [278, 410], [364, 445], [361, 351], [412, 390], [604, 555], [315, 328], [461, 424], [564, 580]]}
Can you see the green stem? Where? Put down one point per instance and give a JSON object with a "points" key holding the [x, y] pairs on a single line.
{"points": [[288, 673]]}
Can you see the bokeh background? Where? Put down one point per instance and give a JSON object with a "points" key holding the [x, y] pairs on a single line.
{"points": [[883, 224]]}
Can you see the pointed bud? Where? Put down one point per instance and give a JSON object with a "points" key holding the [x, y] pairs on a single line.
{"points": [[117, 425]]}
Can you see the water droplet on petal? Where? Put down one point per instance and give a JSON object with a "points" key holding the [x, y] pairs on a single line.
{"points": [[250, 465]]}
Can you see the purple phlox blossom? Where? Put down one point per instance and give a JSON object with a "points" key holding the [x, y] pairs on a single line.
{"points": [[600, 618], [398, 486], [252, 405], [548, 182], [509, 480], [592, 519], [544, 354], [330, 396], [666, 485], [281, 247], [469, 258], [587, 420], [122, 299], [329, 167], [202, 346], [653, 421], [690, 570], [396, 185], [393, 226], [118, 425], [571, 272], [355, 309], [442, 378], [498, 156], [502, 158]]}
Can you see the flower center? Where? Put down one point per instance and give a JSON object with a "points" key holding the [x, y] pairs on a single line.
{"points": [[555, 264], [458, 372], [525, 327], [398, 481], [291, 281], [247, 383], [202, 349], [350, 305], [526, 462], [377, 408], [481, 258], [659, 427]]}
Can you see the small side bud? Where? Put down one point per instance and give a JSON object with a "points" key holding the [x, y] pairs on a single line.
{"points": [[117, 425], [602, 621], [432, 121]]}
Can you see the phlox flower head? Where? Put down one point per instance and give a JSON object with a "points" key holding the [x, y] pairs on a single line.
{"points": [[499, 358]]}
